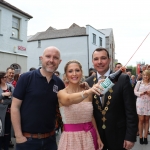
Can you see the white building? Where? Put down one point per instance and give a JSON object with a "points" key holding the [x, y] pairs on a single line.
{"points": [[13, 37], [74, 42], [110, 45]]}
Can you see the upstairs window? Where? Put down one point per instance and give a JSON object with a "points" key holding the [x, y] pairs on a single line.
{"points": [[94, 38], [39, 44], [100, 41], [15, 27], [0, 21]]}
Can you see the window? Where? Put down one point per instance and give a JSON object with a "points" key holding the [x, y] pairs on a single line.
{"points": [[39, 43], [94, 38], [15, 27], [40, 62], [0, 21], [100, 41]]}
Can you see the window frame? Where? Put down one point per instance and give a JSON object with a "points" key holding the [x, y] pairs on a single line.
{"points": [[15, 27], [39, 43], [40, 62], [100, 41], [94, 38]]}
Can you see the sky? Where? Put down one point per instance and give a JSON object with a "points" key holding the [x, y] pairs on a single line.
{"points": [[129, 19]]}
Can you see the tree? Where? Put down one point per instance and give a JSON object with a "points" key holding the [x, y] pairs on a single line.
{"points": [[133, 69]]}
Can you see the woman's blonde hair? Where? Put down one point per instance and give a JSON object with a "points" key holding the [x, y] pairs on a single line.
{"points": [[147, 72], [73, 61]]}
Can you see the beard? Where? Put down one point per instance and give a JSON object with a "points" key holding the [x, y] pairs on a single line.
{"points": [[49, 70]]}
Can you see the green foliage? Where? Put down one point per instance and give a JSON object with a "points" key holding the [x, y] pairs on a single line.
{"points": [[133, 69]]}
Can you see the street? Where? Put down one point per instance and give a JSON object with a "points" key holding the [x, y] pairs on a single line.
{"points": [[137, 146]]}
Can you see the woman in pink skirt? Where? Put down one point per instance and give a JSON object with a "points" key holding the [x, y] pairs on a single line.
{"points": [[142, 91], [80, 131]]}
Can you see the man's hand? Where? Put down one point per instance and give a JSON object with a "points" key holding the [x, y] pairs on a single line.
{"points": [[21, 139], [128, 145]]}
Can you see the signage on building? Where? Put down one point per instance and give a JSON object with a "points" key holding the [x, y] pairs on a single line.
{"points": [[21, 48]]}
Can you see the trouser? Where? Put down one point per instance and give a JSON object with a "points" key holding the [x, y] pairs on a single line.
{"points": [[4, 140], [38, 144], [106, 145], [113, 149]]}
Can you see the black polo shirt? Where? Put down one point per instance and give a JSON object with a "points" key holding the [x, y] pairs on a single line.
{"points": [[39, 100]]}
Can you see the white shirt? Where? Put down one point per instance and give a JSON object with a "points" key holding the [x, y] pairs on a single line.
{"points": [[106, 74]]}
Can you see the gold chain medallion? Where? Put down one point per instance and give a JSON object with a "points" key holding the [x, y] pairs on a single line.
{"points": [[103, 111]]}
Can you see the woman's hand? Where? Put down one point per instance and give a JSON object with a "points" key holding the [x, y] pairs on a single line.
{"points": [[148, 93], [100, 144], [6, 94], [143, 93], [97, 89]]}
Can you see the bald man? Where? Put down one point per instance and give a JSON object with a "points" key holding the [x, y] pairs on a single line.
{"points": [[34, 103]]}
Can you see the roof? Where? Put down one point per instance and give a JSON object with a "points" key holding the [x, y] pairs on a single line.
{"points": [[15, 8], [107, 31], [52, 33]]}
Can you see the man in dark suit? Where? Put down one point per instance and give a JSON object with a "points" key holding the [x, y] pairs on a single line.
{"points": [[116, 117]]}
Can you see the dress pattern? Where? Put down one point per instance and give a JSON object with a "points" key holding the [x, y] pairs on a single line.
{"points": [[143, 102], [76, 114]]}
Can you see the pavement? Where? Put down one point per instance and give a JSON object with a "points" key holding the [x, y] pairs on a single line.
{"points": [[137, 145]]}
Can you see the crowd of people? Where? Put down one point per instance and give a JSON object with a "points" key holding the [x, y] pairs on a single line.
{"points": [[141, 86], [41, 102]]}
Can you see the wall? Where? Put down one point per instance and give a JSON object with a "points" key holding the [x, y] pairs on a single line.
{"points": [[7, 44], [70, 48], [7, 59], [90, 30]]}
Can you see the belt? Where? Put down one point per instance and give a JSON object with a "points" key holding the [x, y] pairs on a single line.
{"points": [[38, 135], [82, 127]]}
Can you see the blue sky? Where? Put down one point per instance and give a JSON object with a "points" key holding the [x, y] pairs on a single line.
{"points": [[130, 20]]}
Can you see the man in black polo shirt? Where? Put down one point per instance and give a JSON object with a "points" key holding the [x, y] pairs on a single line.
{"points": [[34, 105]]}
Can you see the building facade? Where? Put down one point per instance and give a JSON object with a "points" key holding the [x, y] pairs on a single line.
{"points": [[13, 37], [110, 45], [74, 42]]}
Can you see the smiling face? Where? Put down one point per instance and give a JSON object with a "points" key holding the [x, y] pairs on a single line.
{"points": [[3, 78], [101, 61], [50, 59], [10, 74], [146, 76], [73, 73]]}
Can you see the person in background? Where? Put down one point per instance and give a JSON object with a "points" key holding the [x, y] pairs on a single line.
{"points": [[139, 76], [10, 71], [6, 91], [115, 113], [32, 68], [129, 74], [35, 103], [16, 77], [57, 73], [92, 72], [117, 66], [133, 81], [142, 91], [148, 68], [65, 80]]}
